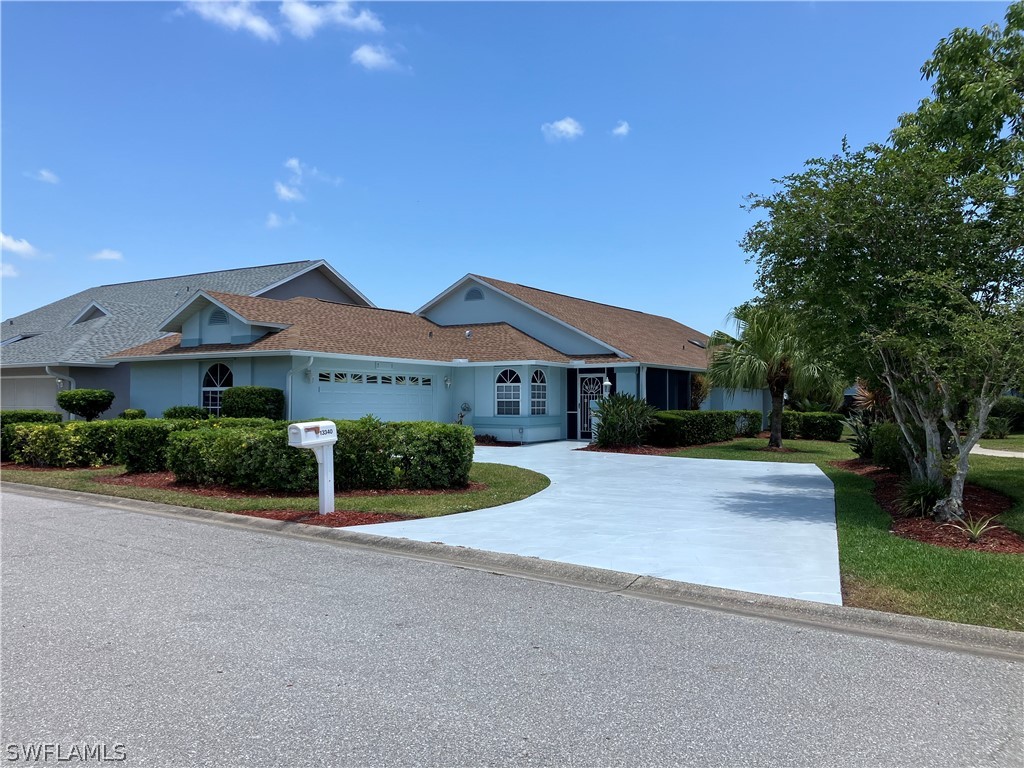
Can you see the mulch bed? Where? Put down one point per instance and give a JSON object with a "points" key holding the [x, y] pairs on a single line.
{"points": [[165, 481], [979, 503], [493, 442], [339, 519], [637, 450]]}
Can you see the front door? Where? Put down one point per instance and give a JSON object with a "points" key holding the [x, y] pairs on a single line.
{"points": [[590, 389]]}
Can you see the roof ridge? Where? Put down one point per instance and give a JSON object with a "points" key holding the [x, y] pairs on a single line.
{"points": [[574, 298], [307, 300], [198, 274]]}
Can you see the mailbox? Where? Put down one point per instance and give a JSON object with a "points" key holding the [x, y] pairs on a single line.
{"points": [[310, 434], [319, 437]]}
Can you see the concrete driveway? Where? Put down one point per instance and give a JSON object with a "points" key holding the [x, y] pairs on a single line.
{"points": [[755, 526]]}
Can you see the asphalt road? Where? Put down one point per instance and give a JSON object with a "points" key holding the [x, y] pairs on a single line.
{"points": [[193, 644]]}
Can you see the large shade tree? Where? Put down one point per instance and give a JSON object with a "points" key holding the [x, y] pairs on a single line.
{"points": [[767, 352], [905, 261]]}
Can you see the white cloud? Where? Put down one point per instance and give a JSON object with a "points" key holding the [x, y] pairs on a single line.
{"points": [[234, 16], [373, 57], [275, 221], [8, 270], [300, 172], [107, 254], [565, 129], [304, 19], [286, 193], [622, 129], [45, 175], [22, 248]]}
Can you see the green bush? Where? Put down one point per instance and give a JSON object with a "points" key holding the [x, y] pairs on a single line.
{"points": [[997, 427], [87, 403], [9, 418], [432, 455], [887, 447], [860, 441], [678, 428], [142, 444], [824, 425], [748, 423], [132, 413], [76, 444], [1011, 408], [623, 420], [363, 455], [790, 424], [918, 497], [253, 402], [34, 417], [186, 412]]}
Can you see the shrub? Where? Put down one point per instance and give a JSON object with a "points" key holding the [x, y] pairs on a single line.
{"points": [[35, 417], [699, 390], [250, 402], [186, 412], [918, 497], [77, 444], [1011, 408], [363, 455], [87, 403], [887, 447], [132, 413], [677, 428], [748, 423], [142, 444], [820, 426], [861, 440], [790, 425], [997, 427], [624, 420], [9, 418], [432, 455]]}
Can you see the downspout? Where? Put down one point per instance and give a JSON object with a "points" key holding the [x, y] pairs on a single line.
{"points": [[288, 385], [60, 377]]}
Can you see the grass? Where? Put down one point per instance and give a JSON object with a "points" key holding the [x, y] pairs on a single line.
{"points": [[887, 573], [504, 485], [1011, 443]]}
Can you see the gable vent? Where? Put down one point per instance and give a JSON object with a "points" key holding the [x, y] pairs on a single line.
{"points": [[218, 317], [474, 294]]}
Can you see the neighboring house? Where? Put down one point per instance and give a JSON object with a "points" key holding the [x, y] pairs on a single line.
{"points": [[515, 362], [65, 345]]}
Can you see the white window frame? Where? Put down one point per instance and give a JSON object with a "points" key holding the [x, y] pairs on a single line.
{"points": [[210, 397], [538, 393], [508, 393]]}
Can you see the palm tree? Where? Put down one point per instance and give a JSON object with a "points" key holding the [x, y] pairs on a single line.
{"points": [[767, 353]]}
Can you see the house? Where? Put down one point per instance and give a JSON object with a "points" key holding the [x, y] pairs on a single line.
{"points": [[66, 344], [519, 363]]}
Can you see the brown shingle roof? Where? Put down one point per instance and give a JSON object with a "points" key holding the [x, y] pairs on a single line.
{"points": [[645, 338], [320, 326]]}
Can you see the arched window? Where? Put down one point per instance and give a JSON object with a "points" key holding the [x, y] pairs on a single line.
{"points": [[538, 394], [218, 378], [218, 317], [506, 393], [474, 294]]}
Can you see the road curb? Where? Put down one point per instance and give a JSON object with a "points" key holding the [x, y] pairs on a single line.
{"points": [[932, 633]]}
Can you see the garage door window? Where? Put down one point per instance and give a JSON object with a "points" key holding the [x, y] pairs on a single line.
{"points": [[218, 378]]}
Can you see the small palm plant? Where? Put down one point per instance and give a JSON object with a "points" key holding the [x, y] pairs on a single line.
{"points": [[919, 497], [974, 527]]}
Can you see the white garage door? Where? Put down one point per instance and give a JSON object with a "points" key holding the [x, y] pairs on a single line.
{"points": [[24, 393], [391, 396]]}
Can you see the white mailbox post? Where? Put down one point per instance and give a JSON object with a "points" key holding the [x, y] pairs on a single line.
{"points": [[319, 437]]}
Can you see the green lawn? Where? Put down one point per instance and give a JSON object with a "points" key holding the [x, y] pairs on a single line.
{"points": [[1011, 443], [504, 485], [888, 573]]}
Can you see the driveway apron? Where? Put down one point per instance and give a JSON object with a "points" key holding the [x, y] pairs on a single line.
{"points": [[754, 526]]}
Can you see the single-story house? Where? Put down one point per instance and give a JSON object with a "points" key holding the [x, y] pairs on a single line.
{"points": [[65, 345]]}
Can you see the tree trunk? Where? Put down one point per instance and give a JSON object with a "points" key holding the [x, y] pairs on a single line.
{"points": [[775, 440]]}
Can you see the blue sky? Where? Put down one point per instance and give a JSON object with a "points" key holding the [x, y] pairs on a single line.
{"points": [[410, 143]]}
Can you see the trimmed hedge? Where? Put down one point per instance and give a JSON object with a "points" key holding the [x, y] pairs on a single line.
{"points": [[186, 412], [369, 455], [9, 418], [253, 402], [748, 423], [142, 443], [678, 428], [75, 444], [132, 413], [87, 403], [821, 426]]}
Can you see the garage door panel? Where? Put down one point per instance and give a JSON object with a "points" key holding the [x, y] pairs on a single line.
{"points": [[28, 393], [389, 402]]}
